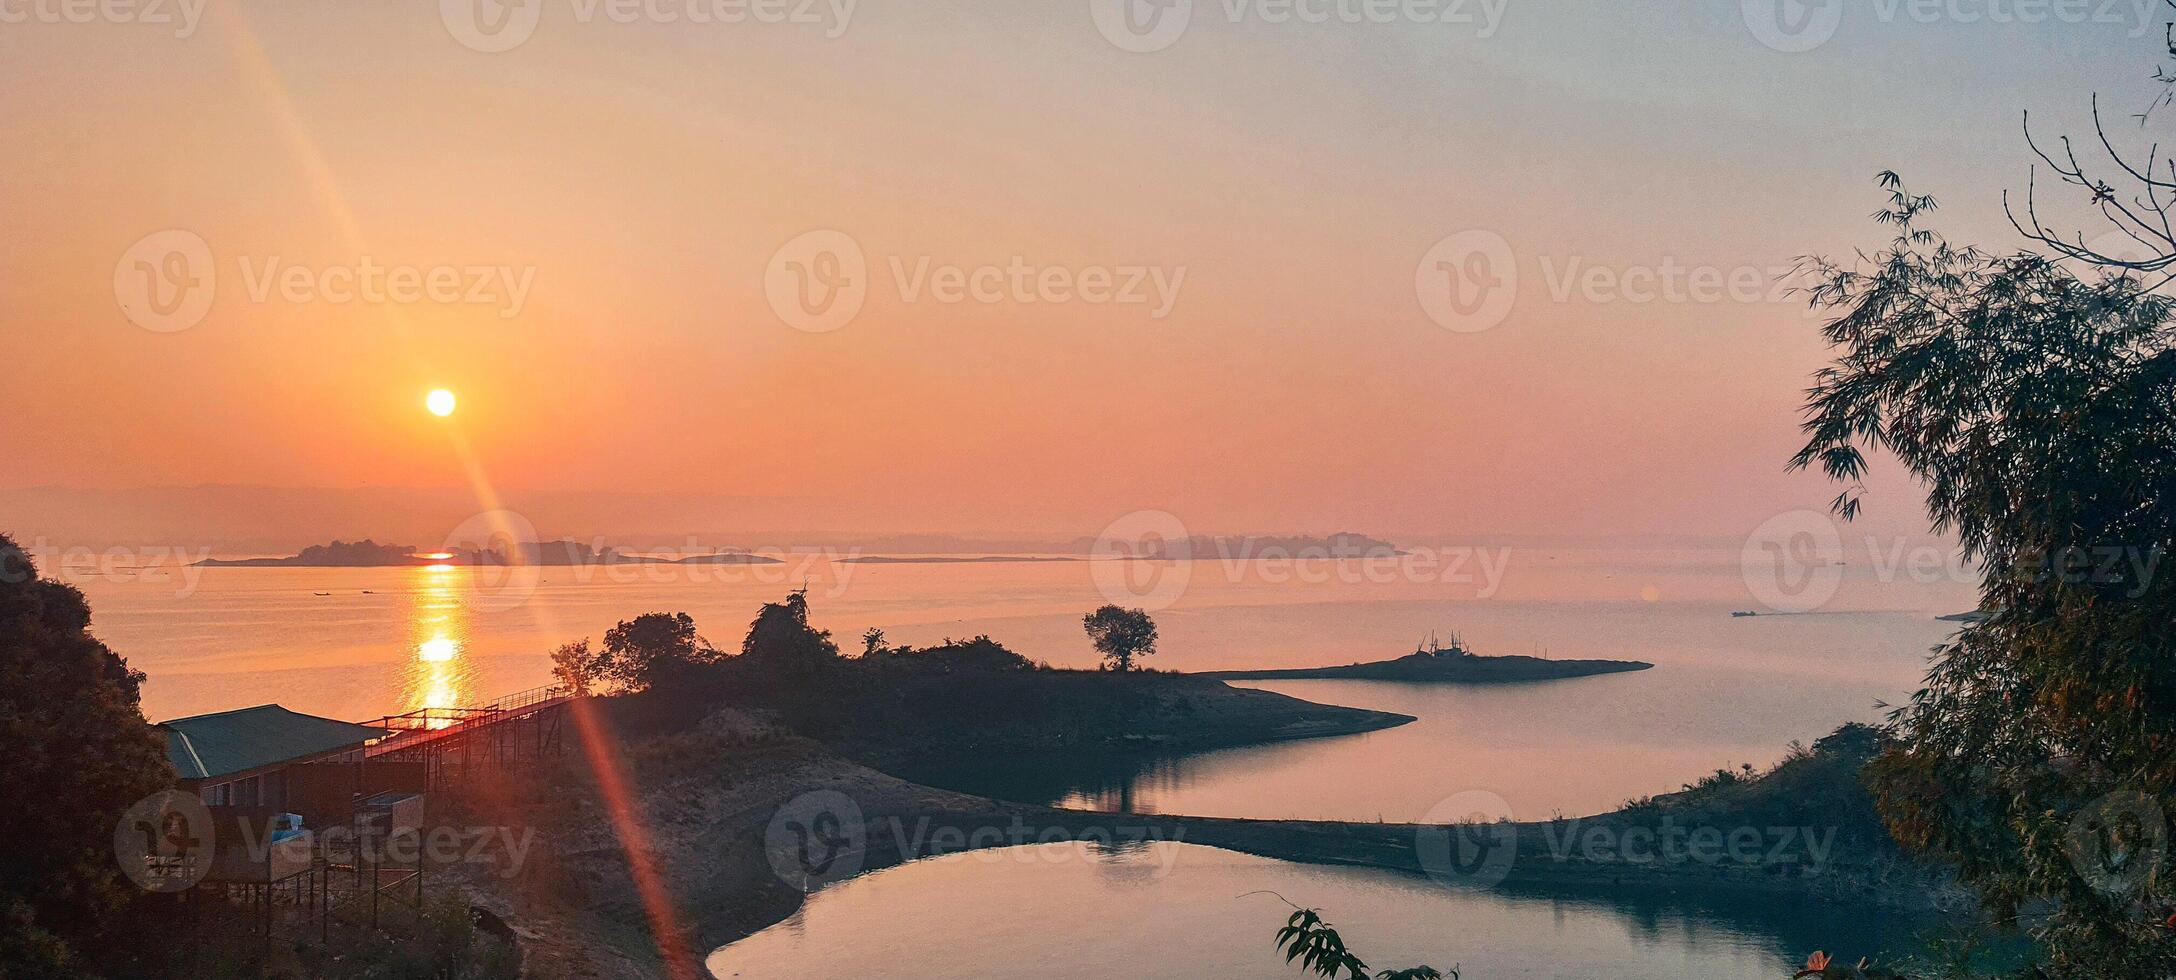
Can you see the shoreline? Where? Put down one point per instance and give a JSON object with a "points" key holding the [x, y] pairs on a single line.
{"points": [[708, 807]]}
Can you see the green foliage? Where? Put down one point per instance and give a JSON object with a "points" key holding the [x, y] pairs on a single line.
{"points": [[75, 752], [1121, 635], [980, 653], [640, 652], [575, 666], [781, 638], [1316, 947], [2038, 406]]}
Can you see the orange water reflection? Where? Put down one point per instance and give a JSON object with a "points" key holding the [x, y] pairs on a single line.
{"points": [[439, 673]]}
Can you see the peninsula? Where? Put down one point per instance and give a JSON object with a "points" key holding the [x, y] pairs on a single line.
{"points": [[1436, 664]]}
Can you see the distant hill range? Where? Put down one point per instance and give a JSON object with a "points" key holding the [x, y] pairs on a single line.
{"points": [[1447, 665], [1241, 547], [550, 554]]}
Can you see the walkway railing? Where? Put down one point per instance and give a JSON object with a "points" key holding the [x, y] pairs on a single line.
{"points": [[431, 724]]}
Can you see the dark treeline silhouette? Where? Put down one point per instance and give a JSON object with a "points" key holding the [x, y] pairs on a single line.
{"points": [[75, 753]]}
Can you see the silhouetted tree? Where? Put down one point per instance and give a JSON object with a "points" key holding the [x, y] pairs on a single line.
{"points": [[2133, 192], [980, 653], [1121, 635], [576, 667], [641, 651], [2039, 408], [781, 638], [872, 642], [75, 752]]}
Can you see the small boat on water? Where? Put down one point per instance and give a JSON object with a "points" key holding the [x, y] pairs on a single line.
{"points": [[1742, 615]]}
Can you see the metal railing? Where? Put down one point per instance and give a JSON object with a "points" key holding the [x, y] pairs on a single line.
{"points": [[430, 724]]}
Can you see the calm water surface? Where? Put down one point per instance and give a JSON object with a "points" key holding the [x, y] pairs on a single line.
{"points": [[1177, 912], [1724, 690]]}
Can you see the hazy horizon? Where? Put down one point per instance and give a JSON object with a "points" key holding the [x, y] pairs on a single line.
{"points": [[1281, 181], [231, 520]]}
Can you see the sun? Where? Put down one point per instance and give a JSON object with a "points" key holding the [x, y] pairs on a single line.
{"points": [[441, 402]]}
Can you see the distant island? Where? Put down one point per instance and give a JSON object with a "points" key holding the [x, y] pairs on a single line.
{"points": [[1446, 665], [551, 554], [728, 558], [948, 559], [339, 554], [1231, 547]]}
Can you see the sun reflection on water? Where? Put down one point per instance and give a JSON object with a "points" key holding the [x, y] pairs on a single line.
{"points": [[439, 675]]}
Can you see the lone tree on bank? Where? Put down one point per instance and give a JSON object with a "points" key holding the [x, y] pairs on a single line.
{"points": [[1120, 635], [77, 752]]}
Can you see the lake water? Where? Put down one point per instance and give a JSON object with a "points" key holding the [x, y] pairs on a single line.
{"points": [[1179, 911], [1723, 691]]}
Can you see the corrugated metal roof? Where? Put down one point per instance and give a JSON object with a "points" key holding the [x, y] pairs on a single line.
{"points": [[209, 746]]}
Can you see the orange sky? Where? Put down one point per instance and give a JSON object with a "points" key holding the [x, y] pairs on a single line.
{"points": [[642, 175]]}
